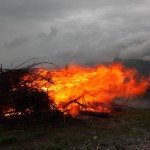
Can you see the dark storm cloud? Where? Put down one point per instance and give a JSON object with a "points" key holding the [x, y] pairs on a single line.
{"points": [[74, 31]]}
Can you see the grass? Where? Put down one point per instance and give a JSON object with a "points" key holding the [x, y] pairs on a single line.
{"points": [[124, 129]]}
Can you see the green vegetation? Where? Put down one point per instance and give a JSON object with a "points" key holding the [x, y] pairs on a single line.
{"points": [[122, 131]]}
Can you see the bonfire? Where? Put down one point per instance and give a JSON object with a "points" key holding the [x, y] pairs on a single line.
{"points": [[71, 90], [75, 88]]}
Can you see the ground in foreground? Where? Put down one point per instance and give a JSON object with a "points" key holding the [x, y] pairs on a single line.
{"points": [[126, 130]]}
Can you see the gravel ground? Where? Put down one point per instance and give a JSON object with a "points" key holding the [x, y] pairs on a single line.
{"points": [[120, 143]]}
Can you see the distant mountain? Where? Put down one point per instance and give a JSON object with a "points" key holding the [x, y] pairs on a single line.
{"points": [[141, 65]]}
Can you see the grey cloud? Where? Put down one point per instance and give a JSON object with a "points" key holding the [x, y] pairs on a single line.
{"points": [[16, 42], [90, 37], [42, 35], [22, 9], [79, 31]]}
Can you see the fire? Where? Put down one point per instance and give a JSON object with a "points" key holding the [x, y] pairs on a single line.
{"points": [[78, 88]]}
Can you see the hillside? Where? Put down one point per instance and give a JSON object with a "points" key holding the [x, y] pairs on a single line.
{"points": [[141, 65]]}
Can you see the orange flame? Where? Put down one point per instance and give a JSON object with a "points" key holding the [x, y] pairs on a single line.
{"points": [[88, 88]]}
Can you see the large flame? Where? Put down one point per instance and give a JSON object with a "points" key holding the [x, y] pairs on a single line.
{"points": [[90, 88]]}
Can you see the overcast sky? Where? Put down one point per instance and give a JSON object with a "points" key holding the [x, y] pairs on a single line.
{"points": [[74, 31]]}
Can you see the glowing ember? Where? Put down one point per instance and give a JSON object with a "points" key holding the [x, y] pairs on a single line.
{"points": [[93, 89]]}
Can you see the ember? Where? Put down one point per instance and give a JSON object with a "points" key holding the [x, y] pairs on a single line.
{"points": [[94, 89]]}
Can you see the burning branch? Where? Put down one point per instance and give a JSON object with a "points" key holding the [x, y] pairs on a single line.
{"points": [[20, 95]]}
